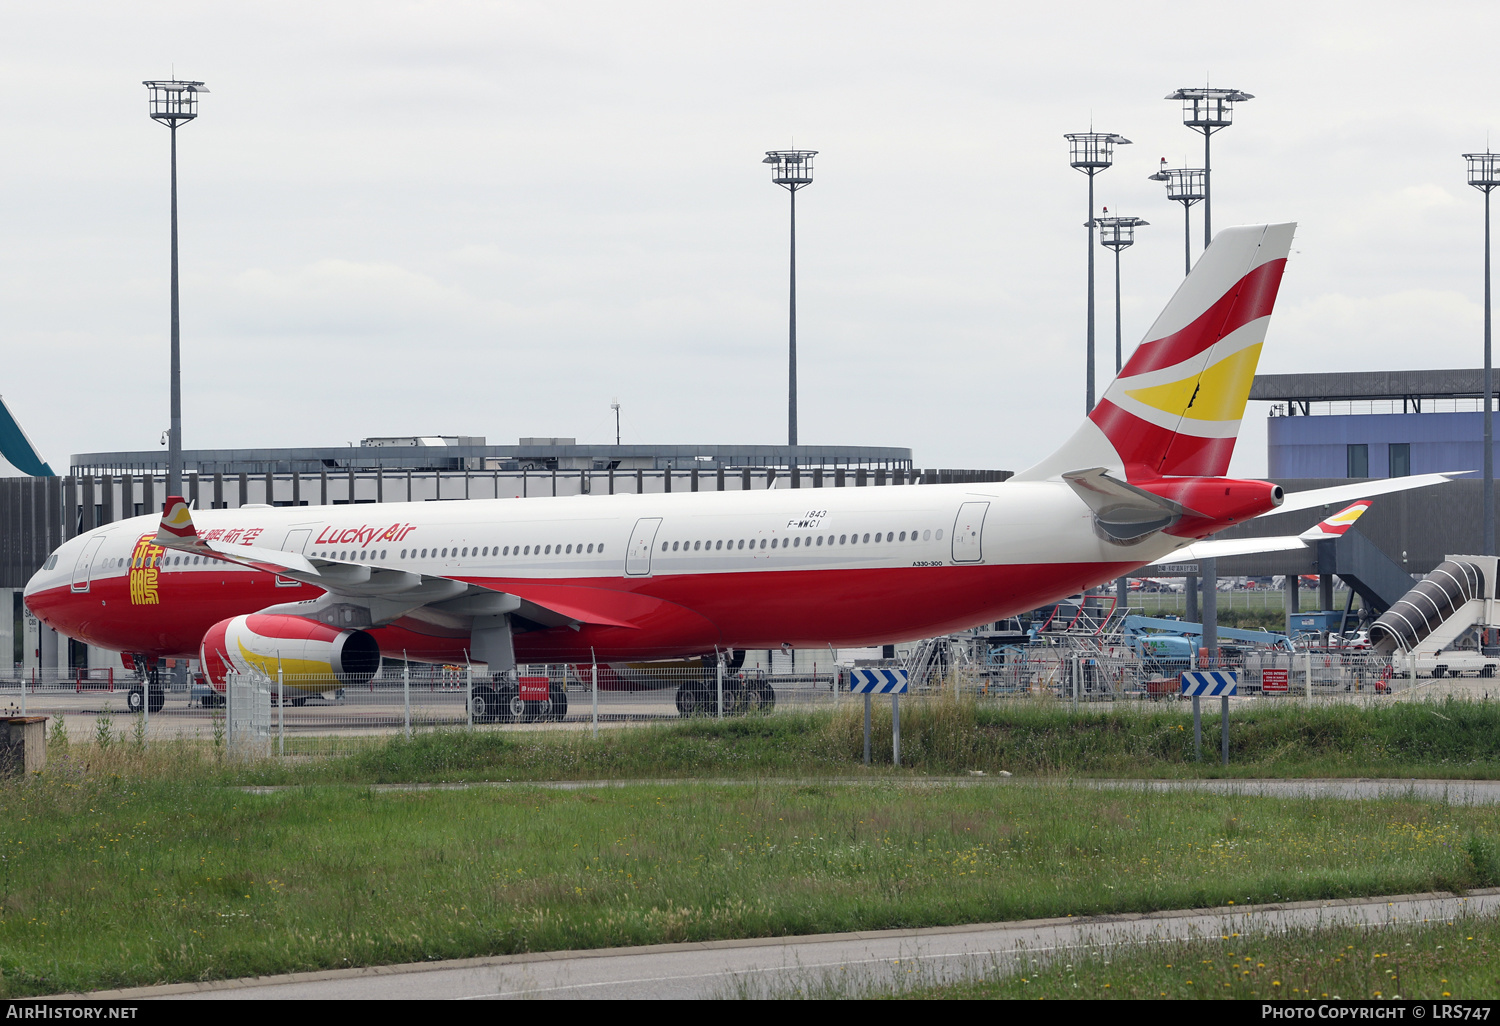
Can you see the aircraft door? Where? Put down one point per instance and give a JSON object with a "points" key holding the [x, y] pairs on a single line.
{"points": [[295, 541], [642, 541], [968, 532], [83, 569]]}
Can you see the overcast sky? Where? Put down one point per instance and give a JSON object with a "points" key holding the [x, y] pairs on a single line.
{"points": [[494, 218]]}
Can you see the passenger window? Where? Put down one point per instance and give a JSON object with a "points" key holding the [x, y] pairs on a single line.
{"points": [[548, 550], [664, 546], [403, 553], [926, 535], [841, 538], [674, 546], [867, 538], [601, 549], [697, 545], [903, 536], [591, 547], [720, 545], [773, 543], [570, 551], [742, 543], [940, 534], [382, 553], [820, 539]]}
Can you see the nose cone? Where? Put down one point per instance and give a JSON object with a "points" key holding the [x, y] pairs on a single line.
{"points": [[49, 585]]}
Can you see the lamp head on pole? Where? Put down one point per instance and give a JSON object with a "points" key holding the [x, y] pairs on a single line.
{"points": [[1207, 110], [174, 102], [791, 169], [1118, 233], [1092, 152], [1185, 185], [1484, 170]]}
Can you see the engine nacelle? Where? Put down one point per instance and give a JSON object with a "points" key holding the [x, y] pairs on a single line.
{"points": [[312, 656]]}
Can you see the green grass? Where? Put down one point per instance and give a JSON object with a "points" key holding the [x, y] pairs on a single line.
{"points": [[943, 737], [1458, 959], [109, 882], [1450, 739]]}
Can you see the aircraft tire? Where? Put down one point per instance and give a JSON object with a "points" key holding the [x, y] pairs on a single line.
{"points": [[135, 700], [1438, 671], [690, 701], [767, 697], [559, 698], [486, 705], [158, 699], [513, 707]]}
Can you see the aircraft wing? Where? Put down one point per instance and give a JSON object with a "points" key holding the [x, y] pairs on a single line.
{"points": [[390, 593], [1329, 527]]}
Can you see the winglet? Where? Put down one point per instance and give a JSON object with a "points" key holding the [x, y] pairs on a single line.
{"points": [[1337, 524], [176, 523]]}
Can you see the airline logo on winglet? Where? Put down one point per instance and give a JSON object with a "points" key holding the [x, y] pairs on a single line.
{"points": [[1337, 524]]}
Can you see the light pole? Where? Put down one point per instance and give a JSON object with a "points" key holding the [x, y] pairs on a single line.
{"points": [[792, 170], [1092, 152], [1484, 175], [1208, 110], [174, 103], [615, 405], [1118, 233], [1187, 186]]}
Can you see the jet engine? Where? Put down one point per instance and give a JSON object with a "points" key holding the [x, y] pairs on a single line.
{"points": [[312, 656]]}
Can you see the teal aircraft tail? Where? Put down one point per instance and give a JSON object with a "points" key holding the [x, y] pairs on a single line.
{"points": [[17, 448]]}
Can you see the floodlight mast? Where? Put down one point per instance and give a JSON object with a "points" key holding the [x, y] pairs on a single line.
{"points": [[1118, 233], [792, 170], [1092, 152], [1187, 186], [174, 102], [1208, 110], [1484, 175]]}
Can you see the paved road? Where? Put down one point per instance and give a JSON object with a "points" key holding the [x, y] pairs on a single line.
{"points": [[768, 966], [1453, 792]]}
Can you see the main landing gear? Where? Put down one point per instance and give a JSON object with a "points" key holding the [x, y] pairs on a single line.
{"points": [[741, 696], [500, 702]]}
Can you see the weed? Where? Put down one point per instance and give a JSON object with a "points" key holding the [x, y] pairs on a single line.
{"points": [[104, 729]]}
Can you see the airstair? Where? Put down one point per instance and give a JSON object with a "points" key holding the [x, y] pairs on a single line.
{"points": [[1425, 629]]}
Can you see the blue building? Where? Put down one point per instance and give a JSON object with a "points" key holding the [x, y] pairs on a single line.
{"points": [[1372, 424]]}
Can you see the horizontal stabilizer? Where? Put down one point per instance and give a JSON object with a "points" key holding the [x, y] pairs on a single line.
{"points": [[1315, 497]]}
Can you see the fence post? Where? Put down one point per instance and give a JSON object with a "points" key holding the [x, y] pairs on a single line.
{"points": [[406, 695], [719, 666], [1197, 729], [280, 709], [145, 705], [896, 729], [594, 676], [867, 728], [1224, 727], [469, 688]]}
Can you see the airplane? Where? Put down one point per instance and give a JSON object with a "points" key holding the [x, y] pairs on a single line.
{"points": [[324, 593]]}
